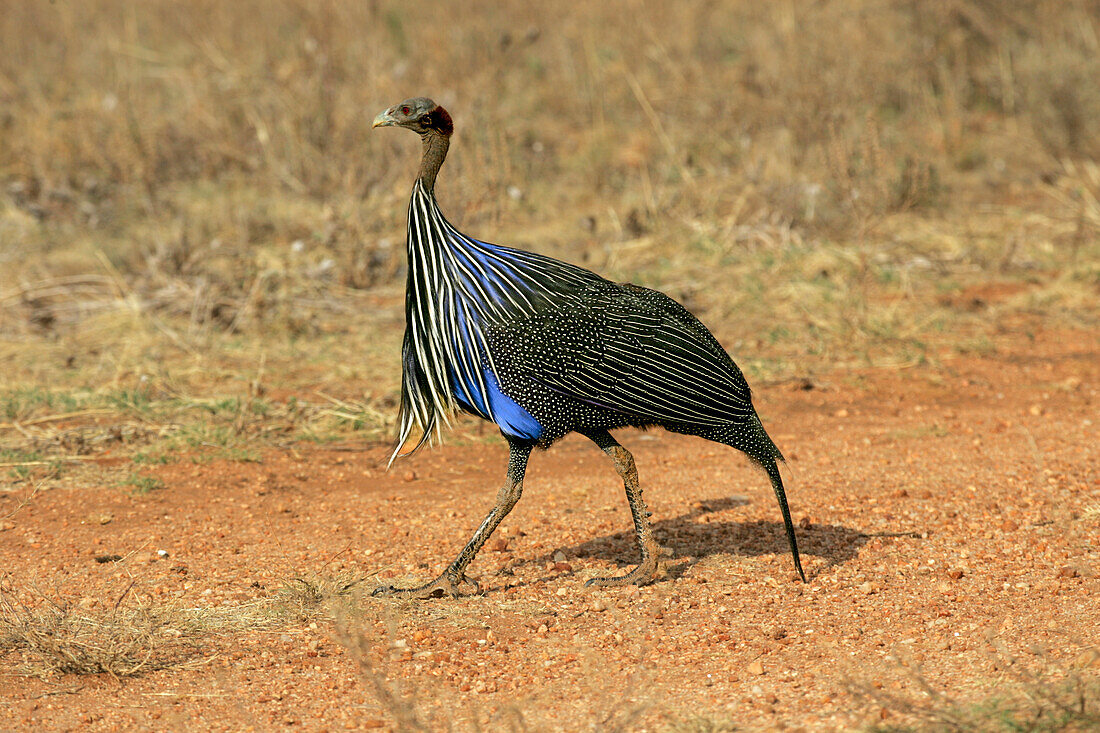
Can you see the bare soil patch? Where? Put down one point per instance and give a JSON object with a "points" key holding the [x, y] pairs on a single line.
{"points": [[948, 518]]}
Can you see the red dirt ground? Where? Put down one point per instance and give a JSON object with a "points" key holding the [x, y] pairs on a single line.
{"points": [[949, 521]]}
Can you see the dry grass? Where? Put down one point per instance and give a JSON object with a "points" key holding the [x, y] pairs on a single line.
{"points": [[430, 707], [125, 634], [362, 647], [302, 598], [129, 634], [46, 430], [193, 208], [226, 180], [1073, 705], [702, 724], [1049, 697], [123, 637]]}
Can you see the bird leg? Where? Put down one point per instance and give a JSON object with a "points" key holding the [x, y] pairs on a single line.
{"points": [[453, 580], [651, 551]]}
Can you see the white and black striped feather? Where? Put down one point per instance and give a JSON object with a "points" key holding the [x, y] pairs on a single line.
{"points": [[483, 317]]}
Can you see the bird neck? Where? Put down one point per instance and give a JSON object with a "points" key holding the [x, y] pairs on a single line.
{"points": [[435, 150]]}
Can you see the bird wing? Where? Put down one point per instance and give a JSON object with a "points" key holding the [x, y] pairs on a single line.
{"points": [[627, 349]]}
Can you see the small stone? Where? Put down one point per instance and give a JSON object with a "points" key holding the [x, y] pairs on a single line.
{"points": [[561, 592], [6, 524], [955, 574], [599, 605], [756, 668], [841, 413], [410, 475], [563, 567], [559, 556], [1035, 410], [1009, 526], [1068, 572], [500, 544], [866, 588]]}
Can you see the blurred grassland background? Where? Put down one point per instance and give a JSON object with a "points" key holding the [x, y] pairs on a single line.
{"points": [[202, 240]]}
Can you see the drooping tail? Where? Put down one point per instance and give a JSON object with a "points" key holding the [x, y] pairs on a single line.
{"points": [[772, 468], [758, 446]]}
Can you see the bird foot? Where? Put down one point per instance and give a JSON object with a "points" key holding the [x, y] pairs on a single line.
{"points": [[444, 585], [646, 572]]}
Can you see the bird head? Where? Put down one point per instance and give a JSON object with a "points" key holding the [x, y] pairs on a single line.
{"points": [[420, 114]]}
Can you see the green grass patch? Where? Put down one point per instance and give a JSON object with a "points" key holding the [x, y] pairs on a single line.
{"points": [[142, 484], [28, 402], [150, 458]]}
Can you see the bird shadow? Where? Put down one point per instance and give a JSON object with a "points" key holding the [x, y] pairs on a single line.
{"points": [[697, 534]]}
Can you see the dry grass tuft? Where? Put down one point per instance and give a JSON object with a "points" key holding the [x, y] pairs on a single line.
{"points": [[303, 598], [56, 636], [128, 635]]}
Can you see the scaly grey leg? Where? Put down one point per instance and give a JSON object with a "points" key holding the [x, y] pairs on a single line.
{"points": [[651, 551], [454, 578]]}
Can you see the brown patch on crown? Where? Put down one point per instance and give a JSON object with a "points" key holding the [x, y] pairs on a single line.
{"points": [[441, 121]]}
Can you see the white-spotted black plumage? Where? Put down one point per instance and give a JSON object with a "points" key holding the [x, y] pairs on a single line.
{"points": [[543, 348], [570, 348]]}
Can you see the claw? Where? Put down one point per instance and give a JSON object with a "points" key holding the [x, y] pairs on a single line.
{"points": [[646, 572], [441, 586]]}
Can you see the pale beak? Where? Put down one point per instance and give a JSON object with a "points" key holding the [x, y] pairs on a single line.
{"points": [[384, 119]]}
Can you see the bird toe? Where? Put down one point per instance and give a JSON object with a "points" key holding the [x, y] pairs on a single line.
{"points": [[438, 588], [644, 574]]}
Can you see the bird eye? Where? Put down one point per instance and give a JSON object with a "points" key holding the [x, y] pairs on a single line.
{"points": [[405, 110]]}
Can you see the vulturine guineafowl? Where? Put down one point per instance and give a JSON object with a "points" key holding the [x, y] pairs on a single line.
{"points": [[543, 348]]}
